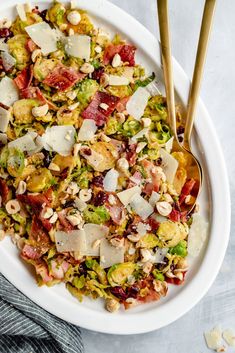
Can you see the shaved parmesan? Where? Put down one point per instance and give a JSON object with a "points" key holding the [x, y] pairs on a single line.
{"points": [[8, 61], [44, 36], [141, 206], [159, 218], [128, 72], [110, 255], [3, 45], [169, 165], [87, 130], [94, 159], [214, 338], [229, 337], [125, 196], [24, 143], [5, 116], [155, 197], [74, 240], [79, 204], [137, 103], [56, 139], [111, 180], [78, 46], [3, 138], [115, 80], [9, 93], [21, 12], [139, 135], [142, 228], [197, 235], [169, 144], [94, 232]]}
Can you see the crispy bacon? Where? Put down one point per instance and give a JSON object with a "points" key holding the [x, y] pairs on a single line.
{"points": [[121, 106], [31, 252], [186, 190], [154, 224], [4, 190], [131, 154], [95, 112], [63, 77], [30, 45], [175, 215], [155, 177], [34, 201], [126, 52], [36, 93], [42, 270], [38, 235], [24, 78], [65, 224], [117, 212]]}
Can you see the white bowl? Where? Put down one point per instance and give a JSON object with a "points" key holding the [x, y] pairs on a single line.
{"points": [[214, 205]]}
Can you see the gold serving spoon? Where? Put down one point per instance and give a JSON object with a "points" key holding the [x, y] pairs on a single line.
{"points": [[193, 167]]}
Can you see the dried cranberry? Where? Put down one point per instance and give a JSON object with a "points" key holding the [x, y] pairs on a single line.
{"points": [[86, 151], [82, 268], [119, 293], [43, 15], [180, 130], [5, 33], [180, 138], [69, 203], [98, 181], [64, 173], [133, 292], [47, 158], [100, 198], [153, 224], [162, 265], [159, 161], [96, 75]]}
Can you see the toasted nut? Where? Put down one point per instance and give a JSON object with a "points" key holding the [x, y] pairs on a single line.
{"points": [[117, 242], [131, 251], [35, 54], [147, 267], [160, 287], [104, 106], [164, 208], [146, 255], [21, 187], [54, 167], [134, 237], [104, 80], [76, 149], [63, 26], [5, 23], [12, 207], [140, 146], [122, 164], [168, 198], [73, 188], [40, 111], [73, 106], [47, 212], [116, 60], [146, 122], [121, 117], [53, 218], [71, 95], [112, 200], [98, 49], [71, 32], [85, 195], [159, 172], [74, 217], [87, 68], [112, 305], [74, 17]]}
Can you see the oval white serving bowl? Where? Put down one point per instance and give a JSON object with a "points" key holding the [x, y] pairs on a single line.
{"points": [[214, 205]]}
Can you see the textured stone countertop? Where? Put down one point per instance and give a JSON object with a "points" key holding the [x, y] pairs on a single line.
{"points": [[218, 93]]}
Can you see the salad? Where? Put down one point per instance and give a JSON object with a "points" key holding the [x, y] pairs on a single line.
{"points": [[92, 192]]}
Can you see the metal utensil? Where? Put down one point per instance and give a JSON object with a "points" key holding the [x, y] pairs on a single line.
{"points": [[194, 170]]}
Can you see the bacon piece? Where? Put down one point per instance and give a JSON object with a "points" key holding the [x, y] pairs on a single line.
{"points": [[186, 190], [153, 224], [34, 201], [24, 78], [117, 212], [38, 236], [131, 154], [121, 106], [4, 190], [42, 270], [126, 52], [65, 224], [95, 112], [63, 77], [31, 252], [149, 168], [30, 45], [175, 215]]}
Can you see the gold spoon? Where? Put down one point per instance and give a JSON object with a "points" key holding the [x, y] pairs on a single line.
{"points": [[194, 170]]}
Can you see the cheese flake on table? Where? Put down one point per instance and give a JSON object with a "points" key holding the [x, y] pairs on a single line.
{"points": [[44, 36], [137, 103], [79, 46]]}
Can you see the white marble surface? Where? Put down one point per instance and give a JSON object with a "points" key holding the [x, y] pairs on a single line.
{"points": [[218, 92]]}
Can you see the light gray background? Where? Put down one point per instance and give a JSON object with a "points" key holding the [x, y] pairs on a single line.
{"points": [[218, 93]]}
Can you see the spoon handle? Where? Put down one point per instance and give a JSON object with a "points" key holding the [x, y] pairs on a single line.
{"points": [[198, 69], [162, 6]]}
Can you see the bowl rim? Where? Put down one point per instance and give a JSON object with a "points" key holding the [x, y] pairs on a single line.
{"points": [[145, 321]]}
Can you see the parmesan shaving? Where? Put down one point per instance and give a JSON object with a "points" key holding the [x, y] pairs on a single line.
{"points": [[115, 80], [141, 206], [9, 93], [74, 240], [79, 46], [5, 116], [44, 36], [110, 255], [55, 139], [87, 130], [125, 196], [169, 165], [93, 232], [154, 198], [111, 180], [214, 338], [21, 12], [24, 143], [137, 103]]}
